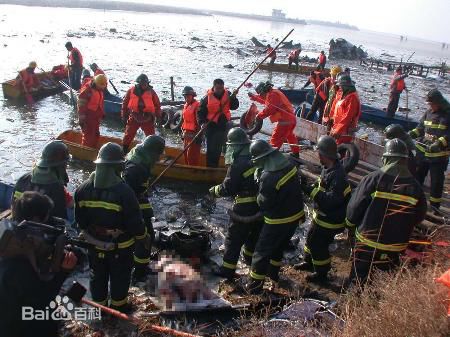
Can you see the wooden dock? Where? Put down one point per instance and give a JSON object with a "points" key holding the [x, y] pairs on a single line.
{"points": [[415, 69]]}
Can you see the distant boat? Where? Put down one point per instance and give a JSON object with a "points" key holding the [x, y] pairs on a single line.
{"points": [[284, 68]]}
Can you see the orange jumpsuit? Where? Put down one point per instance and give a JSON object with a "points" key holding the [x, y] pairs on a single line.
{"points": [[280, 111], [90, 109], [30, 80], [190, 128], [347, 110], [141, 107]]}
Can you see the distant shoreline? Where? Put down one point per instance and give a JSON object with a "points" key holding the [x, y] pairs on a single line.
{"points": [[151, 8]]}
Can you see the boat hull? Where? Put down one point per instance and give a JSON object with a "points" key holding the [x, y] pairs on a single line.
{"points": [[13, 89], [179, 171], [284, 68]]}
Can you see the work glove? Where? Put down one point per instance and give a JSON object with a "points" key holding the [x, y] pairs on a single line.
{"points": [[435, 147], [212, 192], [412, 134]]}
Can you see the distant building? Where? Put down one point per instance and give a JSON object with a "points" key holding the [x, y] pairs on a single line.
{"points": [[278, 13]]}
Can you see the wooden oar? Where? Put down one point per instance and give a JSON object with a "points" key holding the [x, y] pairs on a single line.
{"points": [[207, 123], [28, 97], [114, 87]]}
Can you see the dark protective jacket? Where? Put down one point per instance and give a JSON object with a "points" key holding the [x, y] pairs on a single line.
{"points": [[240, 184], [54, 191], [331, 194], [101, 211], [222, 121], [20, 286], [384, 209], [433, 127], [280, 196], [137, 177]]}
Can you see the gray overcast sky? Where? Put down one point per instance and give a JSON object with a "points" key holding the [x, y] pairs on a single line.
{"points": [[428, 19]]}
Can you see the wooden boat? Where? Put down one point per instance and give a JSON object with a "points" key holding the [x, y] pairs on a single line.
{"points": [[284, 68], [13, 89], [179, 171], [370, 114]]}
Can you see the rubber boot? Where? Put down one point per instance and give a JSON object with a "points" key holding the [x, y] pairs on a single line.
{"points": [[304, 266], [140, 274], [223, 272], [317, 277], [247, 260], [254, 287]]}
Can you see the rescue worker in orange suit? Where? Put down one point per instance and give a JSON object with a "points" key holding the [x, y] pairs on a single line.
{"points": [[280, 199], [330, 195], [75, 66], [90, 110], [29, 78], [190, 127], [86, 78], [107, 209], [334, 72], [347, 111], [140, 108], [97, 71], [382, 213], [272, 53], [315, 77], [215, 110], [397, 86], [280, 111], [138, 166], [432, 145], [322, 61], [294, 57]]}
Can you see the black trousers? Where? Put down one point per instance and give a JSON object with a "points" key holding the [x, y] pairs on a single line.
{"points": [[141, 253], [437, 175], [318, 239], [238, 235], [273, 240], [291, 61], [367, 259], [113, 268], [318, 104], [215, 141], [75, 77], [394, 98]]}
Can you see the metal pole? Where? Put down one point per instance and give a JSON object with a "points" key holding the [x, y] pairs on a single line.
{"points": [[172, 94]]}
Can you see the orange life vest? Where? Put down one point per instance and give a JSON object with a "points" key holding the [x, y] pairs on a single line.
{"points": [[322, 58], [190, 116], [85, 82], [341, 110], [217, 107], [294, 54], [147, 98], [285, 110], [271, 52], [323, 88], [72, 59], [399, 85], [96, 100], [28, 79]]}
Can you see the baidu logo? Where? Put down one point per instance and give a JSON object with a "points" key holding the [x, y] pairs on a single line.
{"points": [[61, 309]]}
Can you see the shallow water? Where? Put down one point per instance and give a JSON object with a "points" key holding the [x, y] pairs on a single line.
{"points": [[193, 49]]}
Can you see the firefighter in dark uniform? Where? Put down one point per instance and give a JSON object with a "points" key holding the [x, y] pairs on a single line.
{"points": [[330, 195], [107, 209], [396, 131], [281, 201], [383, 210], [432, 136], [138, 166], [240, 184], [49, 177]]}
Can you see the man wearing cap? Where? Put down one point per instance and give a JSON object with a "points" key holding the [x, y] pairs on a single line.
{"points": [[382, 212], [279, 110], [29, 78], [138, 167], [140, 109], [330, 195], [432, 135], [280, 199], [49, 177], [107, 209], [190, 127], [215, 110], [75, 60], [397, 86], [91, 110], [347, 110], [245, 224]]}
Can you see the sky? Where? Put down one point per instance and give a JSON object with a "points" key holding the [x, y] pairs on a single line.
{"points": [[427, 19]]}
